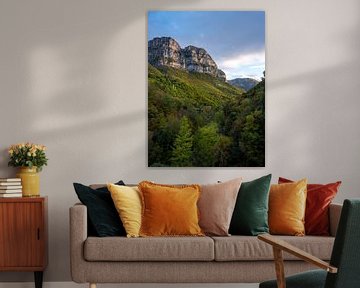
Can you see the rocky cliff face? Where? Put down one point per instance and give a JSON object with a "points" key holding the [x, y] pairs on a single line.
{"points": [[165, 51], [198, 60], [221, 74]]}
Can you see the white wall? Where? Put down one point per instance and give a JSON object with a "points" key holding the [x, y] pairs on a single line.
{"points": [[73, 77]]}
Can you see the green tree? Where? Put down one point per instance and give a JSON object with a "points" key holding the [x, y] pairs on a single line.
{"points": [[182, 151], [223, 151], [252, 139], [206, 140], [161, 141]]}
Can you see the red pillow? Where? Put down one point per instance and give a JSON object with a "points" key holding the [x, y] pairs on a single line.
{"points": [[319, 197]]}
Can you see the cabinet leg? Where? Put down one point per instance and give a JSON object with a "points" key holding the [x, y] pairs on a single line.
{"points": [[38, 279]]}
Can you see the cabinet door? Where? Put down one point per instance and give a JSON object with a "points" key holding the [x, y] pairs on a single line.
{"points": [[21, 234]]}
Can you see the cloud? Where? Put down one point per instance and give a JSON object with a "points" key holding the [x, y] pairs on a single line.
{"points": [[256, 66], [244, 65], [245, 59]]}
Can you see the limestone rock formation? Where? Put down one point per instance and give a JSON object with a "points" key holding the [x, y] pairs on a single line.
{"points": [[221, 74], [165, 51], [198, 60]]}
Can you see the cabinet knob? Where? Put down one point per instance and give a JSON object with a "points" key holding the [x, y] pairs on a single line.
{"points": [[38, 234]]}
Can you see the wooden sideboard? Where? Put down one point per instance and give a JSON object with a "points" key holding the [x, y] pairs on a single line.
{"points": [[23, 235]]}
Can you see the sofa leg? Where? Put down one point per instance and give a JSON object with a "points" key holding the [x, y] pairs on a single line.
{"points": [[92, 285]]}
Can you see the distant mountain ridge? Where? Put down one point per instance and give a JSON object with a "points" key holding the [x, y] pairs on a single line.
{"points": [[166, 51], [244, 83]]}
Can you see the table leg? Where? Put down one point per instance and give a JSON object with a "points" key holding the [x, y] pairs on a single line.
{"points": [[38, 279]]}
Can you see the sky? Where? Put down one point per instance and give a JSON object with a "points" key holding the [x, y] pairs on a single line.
{"points": [[234, 39]]}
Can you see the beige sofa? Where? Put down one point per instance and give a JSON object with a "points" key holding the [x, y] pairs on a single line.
{"points": [[234, 259]]}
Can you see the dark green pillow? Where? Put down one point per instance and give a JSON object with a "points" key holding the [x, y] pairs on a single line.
{"points": [[103, 218], [250, 215]]}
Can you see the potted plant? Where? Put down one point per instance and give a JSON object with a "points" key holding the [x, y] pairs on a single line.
{"points": [[30, 158]]}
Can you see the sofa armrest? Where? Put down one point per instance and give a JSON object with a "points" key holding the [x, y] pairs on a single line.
{"points": [[334, 216], [78, 235]]}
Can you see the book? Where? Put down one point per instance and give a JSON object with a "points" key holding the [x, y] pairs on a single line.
{"points": [[10, 187], [10, 180], [10, 191], [10, 183], [4, 195]]}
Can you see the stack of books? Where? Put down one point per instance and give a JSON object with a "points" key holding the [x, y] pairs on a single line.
{"points": [[10, 187]]}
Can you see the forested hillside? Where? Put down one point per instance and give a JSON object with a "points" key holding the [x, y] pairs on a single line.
{"points": [[244, 83], [198, 120]]}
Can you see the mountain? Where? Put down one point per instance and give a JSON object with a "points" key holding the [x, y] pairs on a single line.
{"points": [[243, 83], [189, 89], [165, 51], [195, 117], [178, 98], [197, 120]]}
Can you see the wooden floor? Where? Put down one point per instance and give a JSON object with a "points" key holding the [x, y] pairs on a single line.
{"points": [[74, 285]]}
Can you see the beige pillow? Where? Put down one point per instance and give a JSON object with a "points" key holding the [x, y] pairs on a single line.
{"points": [[216, 206]]}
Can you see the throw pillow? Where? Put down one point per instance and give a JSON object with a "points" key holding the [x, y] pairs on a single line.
{"points": [[216, 206], [250, 215], [127, 201], [102, 214], [319, 197], [169, 210], [287, 204]]}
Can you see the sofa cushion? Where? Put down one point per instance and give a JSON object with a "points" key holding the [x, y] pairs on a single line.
{"points": [[102, 216], [318, 199], [216, 206], [149, 249], [169, 210], [127, 201], [243, 248], [287, 204], [250, 215]]}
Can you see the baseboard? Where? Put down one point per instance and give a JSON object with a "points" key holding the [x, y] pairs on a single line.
{"points": [[74, 285]]}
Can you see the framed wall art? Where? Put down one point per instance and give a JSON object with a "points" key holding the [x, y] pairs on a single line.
{"points": [[206, 89]]}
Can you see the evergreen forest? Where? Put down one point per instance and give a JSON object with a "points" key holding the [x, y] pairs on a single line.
{"points": [[197, 120]]}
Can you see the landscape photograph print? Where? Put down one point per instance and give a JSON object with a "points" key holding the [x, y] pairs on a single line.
{"points": [[206, 88]]}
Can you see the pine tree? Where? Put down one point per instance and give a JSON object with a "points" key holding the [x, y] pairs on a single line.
{"points": [[206, 140], [182, 151]]}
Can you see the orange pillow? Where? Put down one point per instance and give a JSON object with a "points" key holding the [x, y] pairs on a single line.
{"points": [[287, 204], [169, 210], [318, 200]]}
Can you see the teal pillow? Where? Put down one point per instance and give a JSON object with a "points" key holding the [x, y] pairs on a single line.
{"points": [[250, 216]]}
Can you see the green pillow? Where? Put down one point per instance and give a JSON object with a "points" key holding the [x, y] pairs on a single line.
{"points": [[250, 215]]}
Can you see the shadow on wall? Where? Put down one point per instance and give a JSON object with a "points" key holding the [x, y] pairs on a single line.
{"points": [[326, 102], [73, 76], [65, 66]]}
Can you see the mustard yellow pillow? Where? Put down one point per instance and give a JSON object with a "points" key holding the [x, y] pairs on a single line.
{"points": [[127, 201], [287, 204], [169, 210]]}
